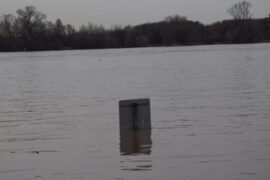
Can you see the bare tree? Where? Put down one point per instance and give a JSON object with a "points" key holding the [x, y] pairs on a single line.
{"points": [[30, 20], [69, 30], [7, 22], [59, 28], [31, 25], [241, 10]]}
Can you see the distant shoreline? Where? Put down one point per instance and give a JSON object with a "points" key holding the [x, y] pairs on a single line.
{"points": [[31, 31], [199, 45]]}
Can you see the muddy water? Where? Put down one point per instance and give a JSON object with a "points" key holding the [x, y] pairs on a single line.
{"points": [[210, 114]]}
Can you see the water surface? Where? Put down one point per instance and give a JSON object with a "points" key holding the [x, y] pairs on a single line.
{"points": [[210, 114]]}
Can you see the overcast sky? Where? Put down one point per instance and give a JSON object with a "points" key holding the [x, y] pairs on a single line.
{"points": [[132, 12]]}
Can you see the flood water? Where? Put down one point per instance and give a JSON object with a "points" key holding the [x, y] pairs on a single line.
{"points": [[210, 108]]}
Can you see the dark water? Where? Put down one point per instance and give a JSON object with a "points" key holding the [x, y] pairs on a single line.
{"points": [[210, 114]]}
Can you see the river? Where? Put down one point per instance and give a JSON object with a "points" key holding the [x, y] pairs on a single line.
{"points": [[210, 108]]}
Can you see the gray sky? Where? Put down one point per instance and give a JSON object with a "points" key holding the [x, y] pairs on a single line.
{"points": [[132, 12]]}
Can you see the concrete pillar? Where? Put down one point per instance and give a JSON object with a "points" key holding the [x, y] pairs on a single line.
{"points": [[135, 114]]}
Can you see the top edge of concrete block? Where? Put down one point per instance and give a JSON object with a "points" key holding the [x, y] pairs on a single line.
{"points": [[131, 102]]}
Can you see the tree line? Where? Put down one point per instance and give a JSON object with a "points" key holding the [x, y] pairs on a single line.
{"points": [[29, 30]]}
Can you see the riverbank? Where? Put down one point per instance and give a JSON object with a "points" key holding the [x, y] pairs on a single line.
{"points": [[173, 30]]}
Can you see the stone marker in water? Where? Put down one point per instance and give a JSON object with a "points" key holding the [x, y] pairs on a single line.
{"points": [[135, 114]]}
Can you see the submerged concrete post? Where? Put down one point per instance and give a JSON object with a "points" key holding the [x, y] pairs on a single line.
{"points": [[135, 142], [135, 114]]}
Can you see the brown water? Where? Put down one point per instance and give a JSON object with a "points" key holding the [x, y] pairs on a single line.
{"points": [[210, 114]]}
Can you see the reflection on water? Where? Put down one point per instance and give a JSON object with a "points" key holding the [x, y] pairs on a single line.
{"points": [[135, 146], [135, 142], [136, 165]]}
